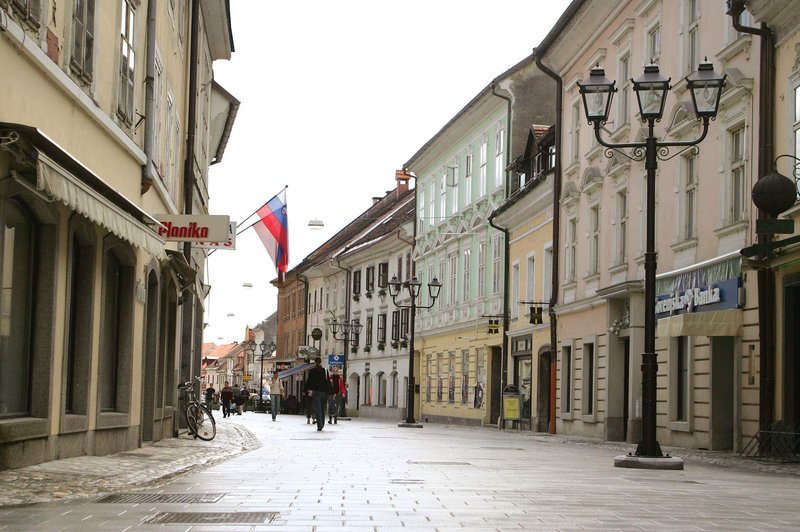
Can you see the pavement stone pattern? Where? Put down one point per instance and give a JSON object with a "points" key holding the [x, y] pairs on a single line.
{"points": [[373, 476], [93, 476]]}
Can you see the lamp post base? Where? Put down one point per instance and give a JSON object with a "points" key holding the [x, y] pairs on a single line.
{"points": [[641, 462], [407, 425]]}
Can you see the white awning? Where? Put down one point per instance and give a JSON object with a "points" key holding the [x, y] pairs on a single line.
{"points": [[79, 196], [712, 323]]}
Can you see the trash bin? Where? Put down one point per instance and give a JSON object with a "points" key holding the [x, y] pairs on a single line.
{"points": [[512, 404]]}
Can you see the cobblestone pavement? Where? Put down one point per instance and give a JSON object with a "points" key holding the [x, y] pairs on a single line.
{"points": [[372, 475]]}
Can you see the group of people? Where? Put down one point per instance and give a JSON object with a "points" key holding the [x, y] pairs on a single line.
{"points": [[325, 394], [233, 398], [324, 391]]}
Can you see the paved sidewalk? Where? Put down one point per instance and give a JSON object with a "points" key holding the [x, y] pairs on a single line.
{"points": [[370, 475], [92, 476]]}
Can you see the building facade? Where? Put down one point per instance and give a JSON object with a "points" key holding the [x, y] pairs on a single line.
{"points": [[101, 317], [461, 179], [707, 396]]}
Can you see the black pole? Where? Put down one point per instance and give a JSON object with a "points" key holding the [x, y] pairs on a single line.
{"points": [[411, 388], [261, 385], [649, 446]]}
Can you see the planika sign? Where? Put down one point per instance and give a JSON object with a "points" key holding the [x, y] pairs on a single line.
{"points": [[193, 228]]}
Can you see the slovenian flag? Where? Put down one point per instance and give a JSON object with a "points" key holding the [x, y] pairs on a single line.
{"points": [[273, 229]]}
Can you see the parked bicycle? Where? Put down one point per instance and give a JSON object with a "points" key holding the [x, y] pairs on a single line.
{"points": [[198, 417]]}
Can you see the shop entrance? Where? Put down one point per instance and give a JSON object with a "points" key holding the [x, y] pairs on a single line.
{"points": [[722, 393]]}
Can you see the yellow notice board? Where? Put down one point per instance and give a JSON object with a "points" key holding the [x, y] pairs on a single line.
{"points": [[511, 407]]}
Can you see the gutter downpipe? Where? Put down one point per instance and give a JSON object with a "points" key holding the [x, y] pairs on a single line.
{"points": [[556, 231], [150, 99], [191, 123], [506, 253], [766, 276]]}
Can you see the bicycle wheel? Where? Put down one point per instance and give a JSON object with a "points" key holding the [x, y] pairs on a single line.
{"points": [[201, 422]]}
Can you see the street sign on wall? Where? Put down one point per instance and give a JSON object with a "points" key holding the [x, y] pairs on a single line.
{"points": [[336, 360]]}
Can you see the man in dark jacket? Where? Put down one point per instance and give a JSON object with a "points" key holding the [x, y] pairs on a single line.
{"points": [[318, 387], [227, 398]]}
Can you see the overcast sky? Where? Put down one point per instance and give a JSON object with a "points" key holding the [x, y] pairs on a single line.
{"points": [[336, 96]]}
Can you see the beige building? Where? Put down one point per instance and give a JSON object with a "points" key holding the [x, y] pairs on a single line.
{"points": [[527, 216], [707, 394], [101, 318]]}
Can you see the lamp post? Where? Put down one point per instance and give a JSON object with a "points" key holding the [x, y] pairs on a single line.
{"points": [[413, 286], [249, 347], [265, 348], [597, 91], [344, 328]]}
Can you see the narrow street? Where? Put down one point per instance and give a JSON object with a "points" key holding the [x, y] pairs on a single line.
{"points": [[372, 475]]}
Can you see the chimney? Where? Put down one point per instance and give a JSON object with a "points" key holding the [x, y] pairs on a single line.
{"points": [[375, 199], [402, 182]]}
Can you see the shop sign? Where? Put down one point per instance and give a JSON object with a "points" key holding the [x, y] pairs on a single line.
{"points": [[230, 243], [193, 228], [715, 296]]}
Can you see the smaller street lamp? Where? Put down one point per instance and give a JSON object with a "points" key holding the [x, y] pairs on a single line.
{"points": [[413, 285]]}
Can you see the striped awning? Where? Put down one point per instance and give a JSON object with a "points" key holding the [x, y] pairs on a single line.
{"points": [[295, 370]]}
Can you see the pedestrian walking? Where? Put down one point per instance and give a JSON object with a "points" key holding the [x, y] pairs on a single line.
{"points": [[241, 400], [227, 398], [209, 393], [318, 388], [337, 391], [275, 394]]}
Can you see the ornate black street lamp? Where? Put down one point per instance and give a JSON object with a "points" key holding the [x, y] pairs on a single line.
{"points": [[413, 286], [597, 91]]}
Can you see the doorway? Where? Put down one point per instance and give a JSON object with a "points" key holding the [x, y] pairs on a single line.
{"points": [[722, 393], [150, 359], [542, 422], [791, 359]]}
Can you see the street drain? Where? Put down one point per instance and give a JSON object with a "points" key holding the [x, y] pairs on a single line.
{"points": [[437, 463], [406, 481], [140, 498], [216, 518]]}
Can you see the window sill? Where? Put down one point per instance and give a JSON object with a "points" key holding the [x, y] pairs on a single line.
{"points": [[734, 227], [566, 416], [23, 428], [684, 245], [680, 426], [589, 418], [113, 420], [617, 268]]}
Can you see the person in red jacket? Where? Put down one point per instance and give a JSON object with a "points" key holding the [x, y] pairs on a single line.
{"points": [[339, 390]]}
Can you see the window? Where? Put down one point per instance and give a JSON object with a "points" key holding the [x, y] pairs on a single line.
{"points": [[370, 286], [382, 328], [588, 379], [530, 279], [738, 186], [497, 265], [368, 332], [622, 227], [20, 238], [357, 282], [335, 298], [158, 141], [127, 64], [451, 377], [575, 128], [421, 208], [566, 379], [395, 325], [690, 197], [383, 275], [432, 202], [395, 389], [547, 274], [682, 379], [572, 232], [400, 267], [465, 279], [464, 376], [115, 341], [482, 177], [443, 196], [453, 285], [499, 160], [514, 290], [442, 275], [654, 43], [83, 39], [594, 240], [623, 102], [692, 57], [482, 269], [468, 180], [408, 266], [79, 332], [29, 10], [453, 181], [796, 121], [404, 313], [382, 385], [427, 293]]}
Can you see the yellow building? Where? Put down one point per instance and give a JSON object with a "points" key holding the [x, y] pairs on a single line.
{"points": [[100, 317]]}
